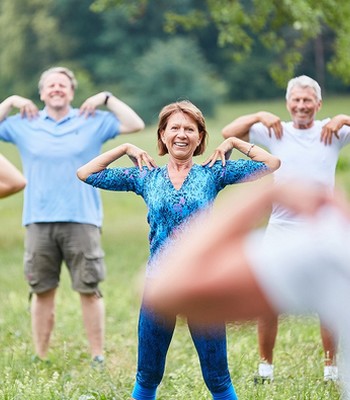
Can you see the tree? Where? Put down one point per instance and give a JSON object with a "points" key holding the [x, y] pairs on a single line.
{"points": [[28, 34], [283, 26], [163, 75]]}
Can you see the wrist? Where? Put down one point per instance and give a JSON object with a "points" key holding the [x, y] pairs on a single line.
{"points": [[107, 96], [249, 150]]}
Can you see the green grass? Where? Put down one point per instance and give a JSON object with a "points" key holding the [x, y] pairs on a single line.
{"points": [[298, 352]]}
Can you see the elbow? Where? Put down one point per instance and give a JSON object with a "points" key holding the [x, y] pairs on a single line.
{"points": [[18, 186], [22, 184], [274, 164], [81, 175], [12, 189], [137, 126], [226, 133], [141, 126]]}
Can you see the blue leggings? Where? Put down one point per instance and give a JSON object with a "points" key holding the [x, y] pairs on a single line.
{"points": [[155, 334]]}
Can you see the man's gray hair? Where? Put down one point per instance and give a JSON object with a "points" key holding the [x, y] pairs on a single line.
{"points": [[304, 81], [60, 70]]}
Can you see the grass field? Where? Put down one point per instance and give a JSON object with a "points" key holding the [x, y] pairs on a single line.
{"points": [[298, 353]]}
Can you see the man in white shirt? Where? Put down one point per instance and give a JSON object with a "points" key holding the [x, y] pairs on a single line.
{"points": [[309, 151]]}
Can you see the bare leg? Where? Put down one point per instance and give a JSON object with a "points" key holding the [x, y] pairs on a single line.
{"points": [[329, 343], [43, 319], [93, 318], [267, 332], [329, 346]]}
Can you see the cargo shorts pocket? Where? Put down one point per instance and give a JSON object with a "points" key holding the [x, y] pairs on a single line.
{"points": [[94, 268], [30, 273]]}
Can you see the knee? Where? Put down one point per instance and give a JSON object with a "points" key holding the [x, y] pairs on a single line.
{"points": [[217, 382]]}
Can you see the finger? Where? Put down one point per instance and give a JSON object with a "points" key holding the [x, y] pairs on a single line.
{"points": [[326, 137], [153, 163], [82, 109], [329, 138], [223, 159], [210, 160], [148, 162], [206, 161], [278, 132], [214, 158]]}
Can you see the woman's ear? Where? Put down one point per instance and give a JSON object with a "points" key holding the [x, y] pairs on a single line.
{"points": [[162, 136], [200, 138]]}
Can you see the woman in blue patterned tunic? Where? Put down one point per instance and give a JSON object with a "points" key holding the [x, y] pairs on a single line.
{"points": [[173, 194]]}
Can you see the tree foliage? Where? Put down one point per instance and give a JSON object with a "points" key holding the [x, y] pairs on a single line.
{"points": [[28, 33], [282, 26], [248, 45], [164, 69]]}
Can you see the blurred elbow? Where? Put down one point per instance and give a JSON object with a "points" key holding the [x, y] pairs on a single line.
{"points": [[15, 187], [81, 175], [226, 133], [275, 164]]}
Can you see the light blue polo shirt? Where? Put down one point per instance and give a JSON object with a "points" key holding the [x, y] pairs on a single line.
{"points": [[51, 152]]}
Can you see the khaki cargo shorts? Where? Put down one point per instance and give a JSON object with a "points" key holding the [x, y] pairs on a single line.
{"points": [[48, 245]]}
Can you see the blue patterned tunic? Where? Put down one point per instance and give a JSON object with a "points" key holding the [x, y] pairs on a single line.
{"points": [[169, 208]]}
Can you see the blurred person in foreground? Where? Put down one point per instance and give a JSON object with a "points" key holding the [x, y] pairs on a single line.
{"points": [[232, 274], [309, 151], [62, 216], [11, 179], [174, 193]]}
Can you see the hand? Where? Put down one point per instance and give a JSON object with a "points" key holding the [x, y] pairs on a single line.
{"points": [[222, 152], [272, 123], [331, 129], [140, 157], [90, 104], [26, 107]]}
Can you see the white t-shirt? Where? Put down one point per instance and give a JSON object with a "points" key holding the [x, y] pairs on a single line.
{"points": [[303, 157], [315, 277]]}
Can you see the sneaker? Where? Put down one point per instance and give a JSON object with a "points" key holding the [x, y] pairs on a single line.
{"points": [[98, 362], [265, 373], [37, 360], [330, 373]]}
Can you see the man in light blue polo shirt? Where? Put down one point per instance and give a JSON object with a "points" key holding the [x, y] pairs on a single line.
{"points": [[62, 215]]}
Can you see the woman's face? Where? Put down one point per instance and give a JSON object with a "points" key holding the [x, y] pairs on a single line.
{"points": [[181, 136]]}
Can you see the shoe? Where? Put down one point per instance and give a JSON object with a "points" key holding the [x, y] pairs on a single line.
{"points": [[330, 373], [37, 360], [98, 362], [265, 373]]}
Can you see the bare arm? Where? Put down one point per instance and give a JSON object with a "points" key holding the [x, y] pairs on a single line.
{"points": [[207, 276], [11, 179], [26, 107], [129, 119], [332, 127], [252, 151], [240, 127], [101, 162]]}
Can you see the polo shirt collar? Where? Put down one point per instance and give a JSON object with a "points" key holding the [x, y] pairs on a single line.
{"points": [[71, 113]]}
